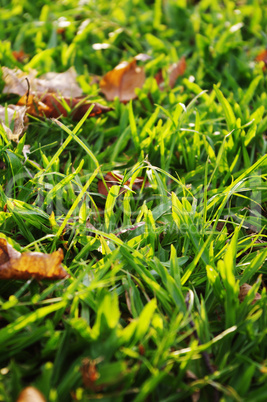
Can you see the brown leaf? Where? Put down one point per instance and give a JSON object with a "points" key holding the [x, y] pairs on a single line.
{"points": [[114, 178], [122, 81], [174, 71], [263, 57], [17, 118], [90, 374], [15, 81], [20, 56], [62, 83], [52, 105], [31, 394], [14, 265], [244, 289]]}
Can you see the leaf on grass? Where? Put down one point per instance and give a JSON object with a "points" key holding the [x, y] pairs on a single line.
{"points": [[174, 71], [90, 374], [17, 121], [62, 83], [244, 289], [53, 105], [122, 81], [14, 265], [31, 394], [114, 178], [20, 56], [263, 57]]}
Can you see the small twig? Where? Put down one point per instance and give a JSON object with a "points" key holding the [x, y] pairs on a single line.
{"points": [[28, 91]]}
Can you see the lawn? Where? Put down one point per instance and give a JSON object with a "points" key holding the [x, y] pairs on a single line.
{"points": [[156, 197]]}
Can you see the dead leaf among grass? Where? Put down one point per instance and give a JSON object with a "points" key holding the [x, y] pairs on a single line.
{"points": [[115, 178], [174, 71], [90, 374], [62, 83], [244, 289], [17, 121], [122, 81], [52, 105], [14, 265]]}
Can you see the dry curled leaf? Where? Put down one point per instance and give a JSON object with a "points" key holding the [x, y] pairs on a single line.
{"points": [[17, 121], [31, 394], [53, 105], [174, 71], [115, 178], [14, 265], [122, 81], [244, 289], [61, 83]]}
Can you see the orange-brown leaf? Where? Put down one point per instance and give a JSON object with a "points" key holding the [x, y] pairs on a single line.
{"points": [[114, 178], [263, 57], [20, 56], [122, 81], [31, 394], [52, 105], [174, 71], [89, 374], [14, 265], [244, 289]]}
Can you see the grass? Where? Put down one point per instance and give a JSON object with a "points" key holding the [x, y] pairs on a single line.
{"points": [[151, 310]]}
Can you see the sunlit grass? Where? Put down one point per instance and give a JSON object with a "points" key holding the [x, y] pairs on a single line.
{"points": [[151, 308]]}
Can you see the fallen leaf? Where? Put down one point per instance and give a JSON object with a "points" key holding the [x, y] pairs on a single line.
{"points": [[114, 178], [175, 70], [17, 121], [263, 57], [52, 105], [20, 56], [122, 81], [31, 394], [62, 83], [15, 81], [14, 265], [90, 374], [244, 289]]}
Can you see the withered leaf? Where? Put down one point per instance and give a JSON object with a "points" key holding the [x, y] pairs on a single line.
{"points": [[20, 56], [54, 106], [90, 374], [122, 81], [17, 119], [115, 178], [31, 394], [243, 291], [62, 83], [14, 265], [175, 70], [263, 57]]}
